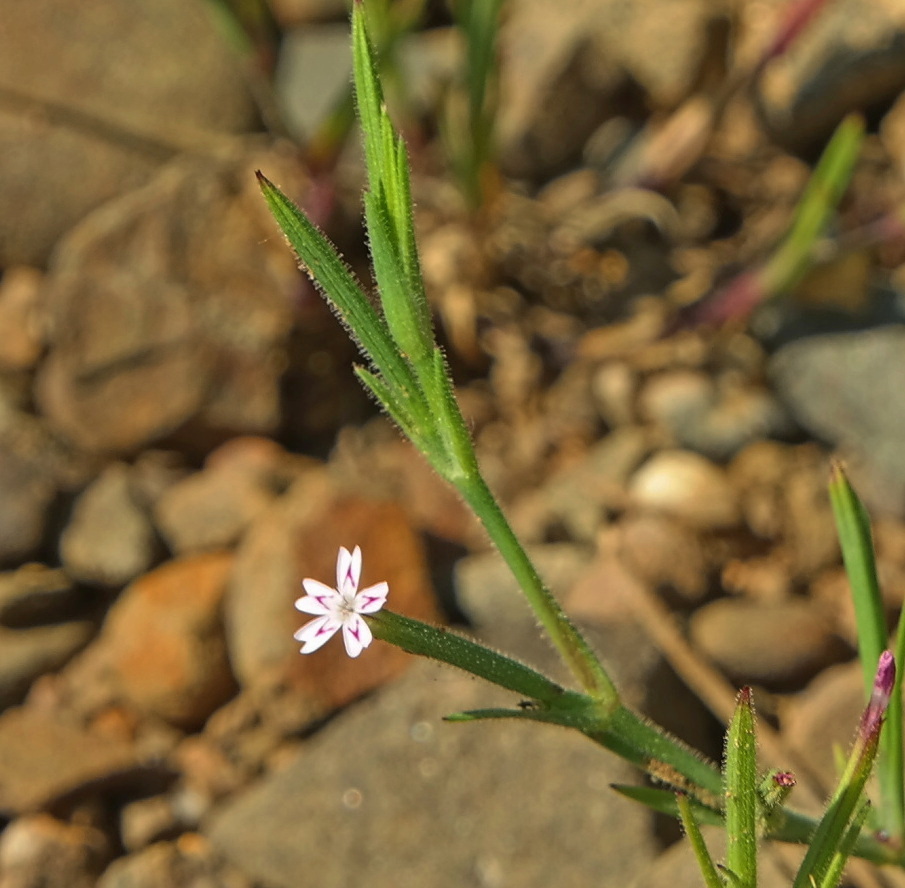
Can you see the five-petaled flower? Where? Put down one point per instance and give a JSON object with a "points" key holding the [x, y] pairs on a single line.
{"points": [[340, 608]]}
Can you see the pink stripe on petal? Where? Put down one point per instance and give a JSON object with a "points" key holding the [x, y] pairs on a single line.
{"points": [[356, 635], [315, 604], [316, 588], [372, 599], [343, 566], [355, 568]]}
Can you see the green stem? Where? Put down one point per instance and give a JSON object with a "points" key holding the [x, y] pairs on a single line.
{"points": [[570, 643]]}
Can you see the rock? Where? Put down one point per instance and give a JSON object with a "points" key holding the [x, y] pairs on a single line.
{"points": [[196, 342], [848, 59], [780, 645], [677, 866], [212, 508], [44, 759], [40, 850], [578, 497], [665, 554], [615, 391], [375, 462], [393, 806], [21, 327], [821, 721], [28, 485], [565, 76], [844, 388], [486, 590], [686, 486], [26, 653], [314, 71], [162, 648], [298, 537], [44, 621], [36, 594], [132, 84], [713, 417], [189, 861], [109, 539]]}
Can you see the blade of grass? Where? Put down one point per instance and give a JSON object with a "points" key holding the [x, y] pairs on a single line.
{"points": [[855, 539]]}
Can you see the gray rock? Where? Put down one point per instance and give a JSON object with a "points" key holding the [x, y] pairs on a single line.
{"points": [[850, 58], [388, 788], [131, 84], [109, 539], [846, 388], [313, 73]]}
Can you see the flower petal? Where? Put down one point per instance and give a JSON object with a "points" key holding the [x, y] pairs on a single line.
{"points": [[317, 633], [321, 599], [372, 598], [356, 635], [345, 563]]}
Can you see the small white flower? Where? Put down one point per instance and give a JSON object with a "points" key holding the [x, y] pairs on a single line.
{"points": [[340, 608]]}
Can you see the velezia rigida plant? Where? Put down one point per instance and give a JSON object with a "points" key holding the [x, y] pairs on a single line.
{"points": [[408, 376]]}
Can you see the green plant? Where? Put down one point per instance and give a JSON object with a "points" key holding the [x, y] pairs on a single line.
{"points": [[407, 375]]}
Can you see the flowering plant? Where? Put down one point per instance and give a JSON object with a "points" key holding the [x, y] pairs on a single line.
{"points": [[408, 375]]}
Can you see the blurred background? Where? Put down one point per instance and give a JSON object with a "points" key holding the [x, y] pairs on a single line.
{"points": [[664, 243]]}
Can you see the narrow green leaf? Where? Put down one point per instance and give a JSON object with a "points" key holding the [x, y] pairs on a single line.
{"points": [[708, 868], [339, 287], [389, 212], [836, 821], [666, 759], [741, 793], [571, 710], [450, 647], [833, 875], [663, 801], [856, 542], [368, 97], [824, 190], [853, 527]]}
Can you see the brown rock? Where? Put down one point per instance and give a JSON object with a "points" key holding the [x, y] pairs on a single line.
{"points": [[187, 861], [850, 58], [36, 594], [212, 508], [821, 721], [131, 85], [162, 647], [26, 653], [27, 488], [665, 554], [21, 329], [298, 537], [40, 850], [109, 539], [686, 486], [43, 758], [170, 311], [779, 644]]}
